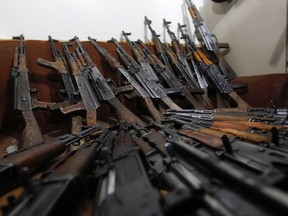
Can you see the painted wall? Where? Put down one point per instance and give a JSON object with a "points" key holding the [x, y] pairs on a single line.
{"points": [[255, 29], [62, 19], [256, 32]]}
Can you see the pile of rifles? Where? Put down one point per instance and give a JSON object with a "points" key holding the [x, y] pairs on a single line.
{"points": [[188, 153]]}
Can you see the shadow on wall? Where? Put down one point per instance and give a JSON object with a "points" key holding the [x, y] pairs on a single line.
{"points": [[219, 9]]}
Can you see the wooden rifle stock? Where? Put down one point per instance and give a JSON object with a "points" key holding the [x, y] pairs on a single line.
{"points": [[123, 113], [203, 137], [259, 125], [31, 133], [57, 65], [167, 100], [246, 135]]}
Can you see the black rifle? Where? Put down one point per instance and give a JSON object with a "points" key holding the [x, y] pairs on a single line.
{"points": [[23, 100], [70, 96], [182, 55], [272, 198], [170, 79], [148, 81], [60, 65], [63, 187], [115, 64], [212, 71], [123, 185], [35, 156], [181, 183], [88, 97], [102, 88], [269, 165], [180, 69], [209, 41]]}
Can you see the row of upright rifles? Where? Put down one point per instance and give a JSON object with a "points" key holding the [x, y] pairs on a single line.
{"points": [[197, 148]]}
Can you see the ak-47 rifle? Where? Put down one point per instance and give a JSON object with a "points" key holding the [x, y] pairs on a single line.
{"points": [[182, 55], [248, 156], [272, 198], [176, 178], [209, 41], [212, 71], [88, 97], [148, 81], [60, 65], [62, 185], [102, 88], [173, 80], [115, 64], [70, 95], [23, 100], [166, 54], [118, 185], [255, 116], [35, 156]]}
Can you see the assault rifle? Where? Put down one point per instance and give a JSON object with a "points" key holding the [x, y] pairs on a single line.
{"points": [[172, 79], [120, 191], [226, 128], [102, 88], [209, 41], [70, 95], [60, 65], [212, 71], [115, 64], [35, 156], [88, 97], [180, 69], [147, 81], [262, 164], [254, 116], [61, 186], [26, 98], [246, 185], [181, 182], [181, 54]]}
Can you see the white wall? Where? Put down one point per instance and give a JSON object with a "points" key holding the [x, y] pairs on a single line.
{"points": [[255, 29], [62, 19], [256, 32]]}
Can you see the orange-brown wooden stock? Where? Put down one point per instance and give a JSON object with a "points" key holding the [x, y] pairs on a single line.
{"points": [[31, 133], [246, 135], [207, 139]]}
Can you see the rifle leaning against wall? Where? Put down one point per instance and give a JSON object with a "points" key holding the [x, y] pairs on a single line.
{"points": [[149, 82], [23, 100], [88, 97], [209, 41], [115, 64], [70, 95], [102, 88], [166, 54], [170, 79], [182, 56], [212, 71]]}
